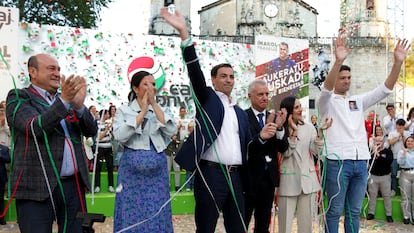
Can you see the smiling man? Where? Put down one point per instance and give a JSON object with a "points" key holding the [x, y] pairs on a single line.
{"points": [[50, 171], [218, 145], [263, 164], [346, 141]]}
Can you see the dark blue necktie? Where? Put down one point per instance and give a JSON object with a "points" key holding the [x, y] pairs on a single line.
{"points": [[260, 116]]}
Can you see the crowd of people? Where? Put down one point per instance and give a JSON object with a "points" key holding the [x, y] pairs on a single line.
{"points": [[236, 161]]}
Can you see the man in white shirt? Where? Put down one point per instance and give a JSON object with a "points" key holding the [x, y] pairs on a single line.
{"points": [[395, 141], [218, 146], [346, 141], [390, 119]]}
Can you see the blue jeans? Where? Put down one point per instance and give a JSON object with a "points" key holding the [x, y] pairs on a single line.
{"points": [[394, 172], [190, 184], [346, 183]]}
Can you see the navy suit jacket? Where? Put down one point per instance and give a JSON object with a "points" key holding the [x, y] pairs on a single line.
{"points": [[258, 152], [25, 106], [208, 120]]}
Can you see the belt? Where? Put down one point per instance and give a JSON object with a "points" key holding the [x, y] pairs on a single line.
{"points": [[407, 169], [68, 177], [230, 168]]}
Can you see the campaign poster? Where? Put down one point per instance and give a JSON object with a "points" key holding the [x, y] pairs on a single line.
{"points": [[284, 64]]}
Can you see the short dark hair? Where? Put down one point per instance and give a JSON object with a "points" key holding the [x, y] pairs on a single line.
{"points": [[345, 67], [400, 122], [389, 106], [32, 62], [285, 44], [217, 67]]}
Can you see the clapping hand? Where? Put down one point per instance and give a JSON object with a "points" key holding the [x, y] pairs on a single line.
{"points": [[74, 90], [326, 123]]}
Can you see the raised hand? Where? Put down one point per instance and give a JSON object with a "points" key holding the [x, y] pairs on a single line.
{"points": [[401, 50], [177, 21], [281, 117], [341, 49]]}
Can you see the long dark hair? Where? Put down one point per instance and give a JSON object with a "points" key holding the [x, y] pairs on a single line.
{"points": [[289, 103], [110, 110], [135, 81], [410, 113]]}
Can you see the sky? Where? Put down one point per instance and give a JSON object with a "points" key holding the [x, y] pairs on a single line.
{"points": [[122, 16]]}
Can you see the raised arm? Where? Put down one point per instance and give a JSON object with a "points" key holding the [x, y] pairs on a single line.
{"points": [[400, 53], [341, 53], [177, 21]]}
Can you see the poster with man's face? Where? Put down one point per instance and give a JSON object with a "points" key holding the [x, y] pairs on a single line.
{"points": [[284, 64]]}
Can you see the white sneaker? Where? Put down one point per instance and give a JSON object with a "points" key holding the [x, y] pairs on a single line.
{"points": [[188, 189], [111, 189], [97, 189]]}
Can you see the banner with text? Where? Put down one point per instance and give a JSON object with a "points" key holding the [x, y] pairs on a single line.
{"points": [[9, 25], [284, 64]]}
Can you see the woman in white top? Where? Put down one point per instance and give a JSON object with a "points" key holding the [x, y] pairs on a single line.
{"points": [[143, 191], [405, 159], [299, 182]]}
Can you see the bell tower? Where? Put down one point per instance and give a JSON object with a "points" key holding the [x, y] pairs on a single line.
{"points": [[158, 26], [364, 18]]}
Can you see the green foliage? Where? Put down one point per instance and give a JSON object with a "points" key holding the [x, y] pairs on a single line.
{"points": [[72, 13], [303, 92], [409, 67]]}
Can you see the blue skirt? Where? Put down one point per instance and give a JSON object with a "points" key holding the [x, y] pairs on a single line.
{"points": [[143, 192]]}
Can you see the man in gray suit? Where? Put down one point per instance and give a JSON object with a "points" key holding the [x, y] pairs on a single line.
{"points": [[50, 173]]}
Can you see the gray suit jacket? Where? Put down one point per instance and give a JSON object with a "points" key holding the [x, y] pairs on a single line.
{"points": [[25, 106]]}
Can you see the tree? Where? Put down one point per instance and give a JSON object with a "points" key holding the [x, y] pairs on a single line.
{"points": [[409, 67], [72, 13]]}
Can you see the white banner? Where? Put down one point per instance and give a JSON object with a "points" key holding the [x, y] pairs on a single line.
{"points": [[9, 20]]}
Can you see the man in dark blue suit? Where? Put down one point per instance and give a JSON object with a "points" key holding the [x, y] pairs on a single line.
{"points": [[218, 146], [263, 163]]}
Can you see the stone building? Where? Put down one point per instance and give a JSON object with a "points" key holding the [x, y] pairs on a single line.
{"points": [[284, 18], [157, 24], [364, 21]]}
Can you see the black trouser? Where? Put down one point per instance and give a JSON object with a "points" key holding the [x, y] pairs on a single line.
{"points": [[2, 188], [38, 216], [105, 153], [261, 203], [206, 214]]}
